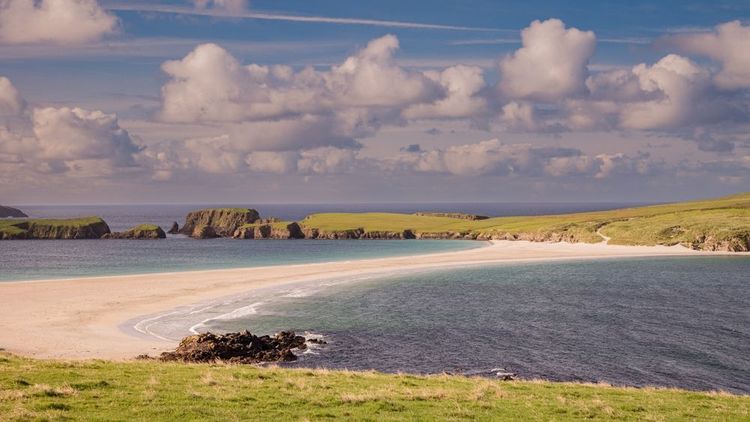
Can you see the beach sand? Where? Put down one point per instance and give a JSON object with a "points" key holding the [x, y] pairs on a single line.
{"points": [[86, 318]]}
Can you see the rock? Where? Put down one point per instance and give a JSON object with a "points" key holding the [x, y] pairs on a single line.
{"points": [[203, 232], [738, 242], [10, 212], [459, 215], [341, 234], [174, 229], [142, 231], [78, 228], [276, 230], [406, 234], [223, 221], [242, 347]]}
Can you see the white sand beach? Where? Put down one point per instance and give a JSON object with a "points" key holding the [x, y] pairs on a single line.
{"points": [[83, 318]]}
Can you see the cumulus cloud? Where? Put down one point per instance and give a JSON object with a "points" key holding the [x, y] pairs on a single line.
{"points": [[53, 21], [728, 44], [57, 140], [493, 157], [209, 84], [11, 103], [550, 65], [462, 86]]}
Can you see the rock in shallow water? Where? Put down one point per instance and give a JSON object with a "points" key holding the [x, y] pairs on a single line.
{"points": [[242, 347]]}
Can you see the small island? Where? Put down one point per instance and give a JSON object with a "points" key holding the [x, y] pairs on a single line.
{"points": [[10, 212]]}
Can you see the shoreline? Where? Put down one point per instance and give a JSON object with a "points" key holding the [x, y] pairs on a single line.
{"points": [[84, 318]]}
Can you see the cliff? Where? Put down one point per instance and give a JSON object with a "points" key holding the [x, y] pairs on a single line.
{"points": [[10, 212], [79, 228], [223, 222], [270, 230], [459, 215], [142, 231]]}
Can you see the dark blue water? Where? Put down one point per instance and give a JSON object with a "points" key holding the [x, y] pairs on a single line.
{"points": [[680, 322]]}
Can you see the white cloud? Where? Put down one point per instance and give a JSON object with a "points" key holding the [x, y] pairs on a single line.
{"points": [[729, 44], [11, 102], [209, 84], [676, 83], [64, 139], [462, 85], [232, 6], [495, 158], [550, 65], [53, 21]]}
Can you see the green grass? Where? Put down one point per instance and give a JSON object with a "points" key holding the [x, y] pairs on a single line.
{"points": [[145, 227], [147, 390], [723, 218]]}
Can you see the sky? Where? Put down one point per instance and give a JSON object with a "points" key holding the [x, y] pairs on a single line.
{"points": [[233, 101]]}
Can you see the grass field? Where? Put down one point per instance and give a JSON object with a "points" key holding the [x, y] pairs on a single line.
{"points": [[150, 391], [723, 219]]}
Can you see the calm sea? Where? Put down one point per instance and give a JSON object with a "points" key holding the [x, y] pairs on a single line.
{"points": [[43, 259]]}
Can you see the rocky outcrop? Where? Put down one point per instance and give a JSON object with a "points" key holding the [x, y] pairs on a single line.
{"points": [[387, 235], [223, 221], [10, 212], [269, 231], [459, 215], [174, 229], [242, 347], [83, 228], [739, 242], [204, 232], [143, 231], [341, 234]]}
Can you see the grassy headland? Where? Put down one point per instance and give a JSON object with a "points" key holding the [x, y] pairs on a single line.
{"points": [[48, 228], [710, 224], [147, 390]]}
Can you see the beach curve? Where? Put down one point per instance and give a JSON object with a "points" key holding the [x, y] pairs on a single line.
{"points": [[89, 318]]}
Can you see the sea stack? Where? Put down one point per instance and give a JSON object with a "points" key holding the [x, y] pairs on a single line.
{"points": [[223, 222], [175, 228]]}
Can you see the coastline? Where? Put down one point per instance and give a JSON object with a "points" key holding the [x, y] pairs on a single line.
{"points": [[84, 318]]}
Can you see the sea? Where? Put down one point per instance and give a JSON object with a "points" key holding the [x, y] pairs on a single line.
{"points": [[671, 322]]}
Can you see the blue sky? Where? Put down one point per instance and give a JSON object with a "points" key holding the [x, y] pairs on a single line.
{"points": [[549, 118]]}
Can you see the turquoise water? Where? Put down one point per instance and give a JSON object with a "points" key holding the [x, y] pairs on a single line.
{"points": [[56, 259], [679, 322]]}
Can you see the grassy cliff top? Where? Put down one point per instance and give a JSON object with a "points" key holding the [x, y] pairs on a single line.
{"points": [[147, 390], [657, 224], [53, 222], [145, 227]]}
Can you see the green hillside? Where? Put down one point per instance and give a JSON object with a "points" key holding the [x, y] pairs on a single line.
{"points": [[153, 391], [716, 224]]}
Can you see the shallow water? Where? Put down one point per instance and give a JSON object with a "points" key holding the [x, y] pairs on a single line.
{"points": [[682, 322]]}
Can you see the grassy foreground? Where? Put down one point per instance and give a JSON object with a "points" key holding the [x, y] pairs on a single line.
{"points": [[721, 220], [144, 390]]}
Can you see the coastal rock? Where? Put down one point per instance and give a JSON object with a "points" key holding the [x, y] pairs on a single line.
{"points": [[80, 228], [10, 212], [242, 347], [341, 234], [223, 221], [737, 243], [174, 229], [388, 235], [459, 215], [274, 230], [203, 232], [142, 231]]}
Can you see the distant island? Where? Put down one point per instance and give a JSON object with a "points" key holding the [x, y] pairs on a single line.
{"points": [[721, 224], [10, 212]]}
